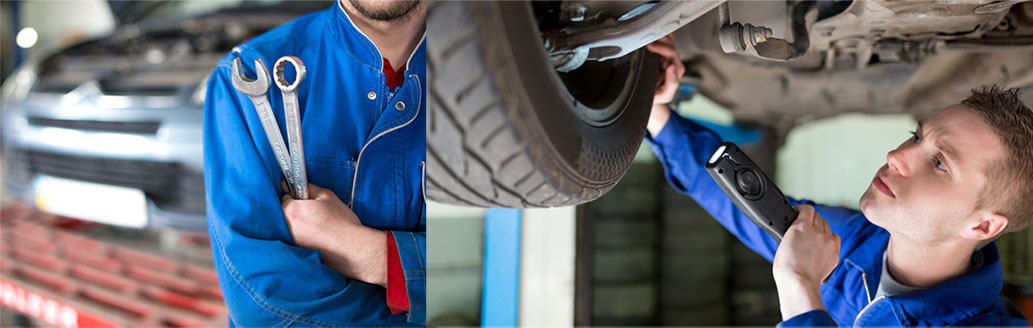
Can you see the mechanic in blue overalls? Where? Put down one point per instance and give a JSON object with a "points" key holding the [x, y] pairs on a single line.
{"points": [[920, 252], [354, 254]]}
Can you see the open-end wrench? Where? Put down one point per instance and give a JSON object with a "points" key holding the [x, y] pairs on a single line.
{"points": [[290, 109], [256, 90]]}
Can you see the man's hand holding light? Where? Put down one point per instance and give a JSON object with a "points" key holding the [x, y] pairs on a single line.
{"points": [[808, 253]]}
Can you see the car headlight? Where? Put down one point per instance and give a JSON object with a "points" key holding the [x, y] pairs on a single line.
{"points": [[17, 86]]}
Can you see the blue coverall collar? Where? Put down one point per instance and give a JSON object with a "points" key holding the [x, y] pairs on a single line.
{"points": [[362, 48], [947, 302], [869, 261], [962, 296]]}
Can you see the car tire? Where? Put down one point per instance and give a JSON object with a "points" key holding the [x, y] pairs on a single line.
{"points": [[708, 315], [630, 304], [504, 129], [621, 265]]}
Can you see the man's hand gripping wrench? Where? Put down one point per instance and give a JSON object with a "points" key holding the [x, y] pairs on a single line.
{"points": [[290, 109], [256, 90]]}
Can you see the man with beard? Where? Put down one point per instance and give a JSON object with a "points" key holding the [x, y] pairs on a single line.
{"points": [[353, 254], [920, 252]]}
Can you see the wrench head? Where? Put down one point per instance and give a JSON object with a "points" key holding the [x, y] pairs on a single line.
{"points": [[280, 66], [248, 86]]}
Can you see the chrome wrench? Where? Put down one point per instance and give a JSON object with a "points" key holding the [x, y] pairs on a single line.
{"points": [[290, 110], [256, 90]]}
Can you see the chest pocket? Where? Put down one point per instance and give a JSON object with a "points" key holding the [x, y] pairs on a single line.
{"points": [[332, 173]]}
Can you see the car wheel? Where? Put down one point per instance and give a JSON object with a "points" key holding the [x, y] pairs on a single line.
{"points": [[505, 129]]}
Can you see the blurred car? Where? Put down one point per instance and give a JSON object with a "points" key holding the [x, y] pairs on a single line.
{"points": [[110, 130]]}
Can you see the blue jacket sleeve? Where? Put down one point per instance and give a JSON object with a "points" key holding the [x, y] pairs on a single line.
{"points": [[814, 318], [683, 146], [412, 252], [265, 280]]}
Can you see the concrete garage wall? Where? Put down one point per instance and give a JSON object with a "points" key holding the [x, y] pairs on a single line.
{"points": [[547, 258], [456, 262], [832, 161], [455, 258]]}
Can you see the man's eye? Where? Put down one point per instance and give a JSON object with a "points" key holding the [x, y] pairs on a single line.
{"points": [[915, 138], [939, 164]]}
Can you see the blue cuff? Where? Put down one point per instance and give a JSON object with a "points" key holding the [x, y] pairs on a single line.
{"points": [[410, 251]]}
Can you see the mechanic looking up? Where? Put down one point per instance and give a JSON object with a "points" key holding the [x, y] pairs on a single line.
{"points": [[920, 252], [354, 253]]}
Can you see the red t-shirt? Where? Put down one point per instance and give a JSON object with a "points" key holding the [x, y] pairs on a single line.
{"points": [[393, 79]]}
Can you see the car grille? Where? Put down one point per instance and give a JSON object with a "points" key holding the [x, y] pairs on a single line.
{"points": [[123, 127], [169, 185], [119, 88]]}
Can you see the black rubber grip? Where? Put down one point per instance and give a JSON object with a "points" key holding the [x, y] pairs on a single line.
{"points": [[751, 190]]}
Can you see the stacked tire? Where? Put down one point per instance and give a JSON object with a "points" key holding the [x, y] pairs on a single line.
{"points": [[624, 257], [754, 299], [695, 264]]}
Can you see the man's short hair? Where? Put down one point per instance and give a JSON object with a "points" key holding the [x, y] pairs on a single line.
{"points": [[1009, 185]]}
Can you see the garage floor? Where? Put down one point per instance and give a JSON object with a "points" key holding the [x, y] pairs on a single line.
{"points": [[57, 269]]}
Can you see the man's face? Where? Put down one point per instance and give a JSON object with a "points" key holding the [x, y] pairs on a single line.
{"points": [[384, 10], [930, 184]]}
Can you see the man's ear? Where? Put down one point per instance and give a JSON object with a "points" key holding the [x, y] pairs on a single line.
{"points": [[985, 225]]}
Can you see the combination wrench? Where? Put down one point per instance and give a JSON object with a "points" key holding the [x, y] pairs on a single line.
{"points": [[290, 110], [255, 89]]}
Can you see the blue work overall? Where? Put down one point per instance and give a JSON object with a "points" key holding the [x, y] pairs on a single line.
{"points": [[683, 146], [363, 142]]}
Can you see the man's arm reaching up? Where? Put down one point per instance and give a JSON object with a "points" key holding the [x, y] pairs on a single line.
{"points": [[683, 146]]}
